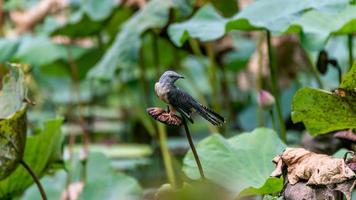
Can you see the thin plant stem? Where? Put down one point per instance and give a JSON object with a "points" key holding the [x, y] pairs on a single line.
{"points": [[212, 75], [273, 73], [214, 81], [350, 47], [194, 44], [100, 42], [143, 79], [260, 116], [155, 52], [2, 16], [35, 178], [227, 96], [167, 160], [316, 73], [192, 147], [273, 119], [339, 72], [259, 79], [81, 119]]}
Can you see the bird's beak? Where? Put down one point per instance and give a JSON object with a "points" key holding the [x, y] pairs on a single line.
{"points": [[180, 76]]}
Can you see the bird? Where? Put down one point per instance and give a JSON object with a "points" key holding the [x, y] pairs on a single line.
{"points": [[182, 102]]}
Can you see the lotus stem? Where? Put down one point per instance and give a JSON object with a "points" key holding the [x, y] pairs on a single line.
{"points": [[213, 75], [35, 178], [192, 147], [273, 73], [273, 119], [194, 45], [167, 160]]}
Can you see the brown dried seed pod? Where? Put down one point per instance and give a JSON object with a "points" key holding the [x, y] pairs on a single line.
{"points": [[165, 117]]}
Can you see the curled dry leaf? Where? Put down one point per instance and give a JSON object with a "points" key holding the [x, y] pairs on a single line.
{"points": [[317, 169], [165, 117], [305, 168], [351, 163]]}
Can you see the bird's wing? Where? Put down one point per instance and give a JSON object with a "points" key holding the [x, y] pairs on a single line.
{"points": [[181, 101], [186, 104]]}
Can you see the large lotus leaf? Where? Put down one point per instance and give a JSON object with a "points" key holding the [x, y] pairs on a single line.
{"points": [[7, 48], [41, 51], [227, 7], [98, 10], [12, 121], [12, 142], [54, 185], [87, 19], [206, 25], [13, 92], [278, 16], [41, 149], [320, 24], [323, 111], [78, 25], [242, 164], [104, 183], [349, 80], [124, 52]]}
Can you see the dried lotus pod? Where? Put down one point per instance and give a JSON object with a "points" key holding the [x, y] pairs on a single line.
{"points": [[165, 117]]}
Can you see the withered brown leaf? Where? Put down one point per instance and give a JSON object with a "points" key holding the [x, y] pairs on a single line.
{"points": [[312, 175]]}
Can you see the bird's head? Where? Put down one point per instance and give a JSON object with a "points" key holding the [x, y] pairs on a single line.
{"points": [[170, 77]]}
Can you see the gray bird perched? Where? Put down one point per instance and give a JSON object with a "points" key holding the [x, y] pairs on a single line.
{"points": [[180, 101]]}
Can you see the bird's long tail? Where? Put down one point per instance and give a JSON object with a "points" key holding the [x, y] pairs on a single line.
{"points": [[209, 114]]}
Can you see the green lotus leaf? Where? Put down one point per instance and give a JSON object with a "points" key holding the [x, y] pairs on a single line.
{"points": [[242, 164], [12, 121], [323, 111], [42, 149], [318, 19], [104, 183], [12, 142]]}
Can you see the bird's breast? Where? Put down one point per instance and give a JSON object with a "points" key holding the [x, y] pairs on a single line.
{"points": [[162, 91]]}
